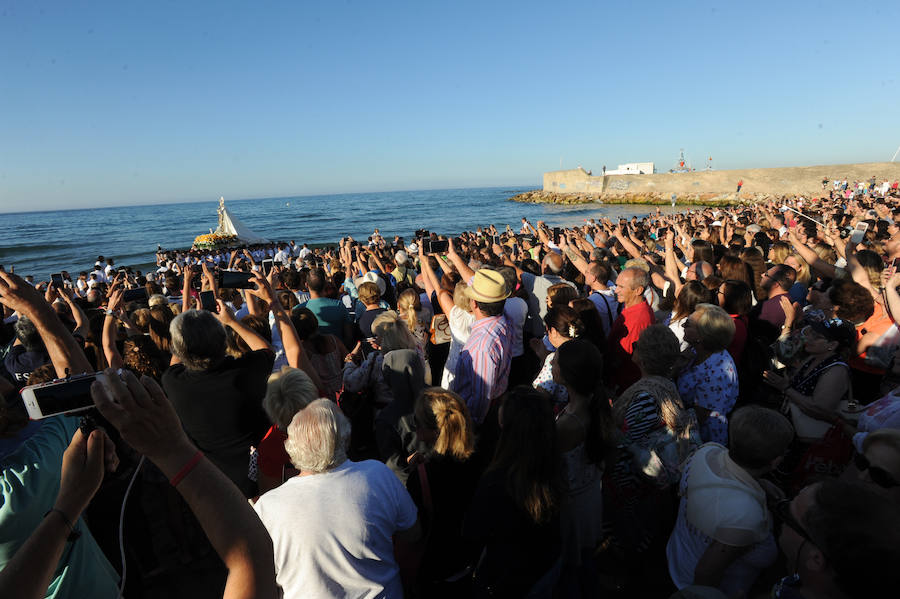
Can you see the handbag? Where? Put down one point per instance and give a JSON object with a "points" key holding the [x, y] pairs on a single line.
{"points": [[440, 329]]}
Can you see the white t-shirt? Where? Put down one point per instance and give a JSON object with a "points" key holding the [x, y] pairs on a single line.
{"points": [[460, 328], [332, 531], [516, 311], [720, 501]]}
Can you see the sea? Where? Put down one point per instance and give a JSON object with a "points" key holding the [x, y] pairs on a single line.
{"points": [[41, 243]]}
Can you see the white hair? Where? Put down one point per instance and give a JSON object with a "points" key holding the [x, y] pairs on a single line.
{"points": [[318, 437]]}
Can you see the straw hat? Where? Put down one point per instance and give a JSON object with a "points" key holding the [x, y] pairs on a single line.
{"points": [[487, 286], [371, 277]]}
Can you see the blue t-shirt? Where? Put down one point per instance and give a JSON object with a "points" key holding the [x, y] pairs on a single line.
{"points": [[331, 314], [29, 484]]}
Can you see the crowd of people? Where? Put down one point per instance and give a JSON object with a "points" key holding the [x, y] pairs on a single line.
{"points": [[700, 404]]}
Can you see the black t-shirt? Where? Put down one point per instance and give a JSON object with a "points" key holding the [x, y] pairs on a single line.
{"points": [[20, 363], [365, 323], [221, 410], [452, 483]]}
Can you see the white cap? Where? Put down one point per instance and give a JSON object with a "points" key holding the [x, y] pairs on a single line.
{"points": [[401, 256]]}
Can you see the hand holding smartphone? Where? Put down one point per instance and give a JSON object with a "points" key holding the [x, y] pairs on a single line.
{"points": [[59, 397]]}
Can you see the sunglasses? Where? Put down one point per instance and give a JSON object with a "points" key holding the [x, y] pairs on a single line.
{"points": [[879, 476]]}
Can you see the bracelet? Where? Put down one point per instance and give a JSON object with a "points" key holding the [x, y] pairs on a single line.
{"points": [[186, 469], [73, 534]]}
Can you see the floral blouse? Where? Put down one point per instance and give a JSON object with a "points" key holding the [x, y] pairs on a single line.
{"points": [[713, 385]]}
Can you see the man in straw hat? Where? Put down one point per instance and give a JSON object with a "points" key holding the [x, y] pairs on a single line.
{"points": [[482, 372]]}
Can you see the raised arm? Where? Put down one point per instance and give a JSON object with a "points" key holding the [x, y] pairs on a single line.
{"points": [[147, 421], [253, 340], [186, 288], [110, 350], [65, 352], [459, 264], [290, 340], [445, 300], [810, 256]]}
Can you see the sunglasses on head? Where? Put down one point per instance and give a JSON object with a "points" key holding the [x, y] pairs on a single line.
{"points": [[879, 476]]}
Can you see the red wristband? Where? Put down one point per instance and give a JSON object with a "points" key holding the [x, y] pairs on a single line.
{"points": [[186, 469]]}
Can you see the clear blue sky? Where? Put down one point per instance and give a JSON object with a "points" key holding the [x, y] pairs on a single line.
{"points": [[114, 103]]}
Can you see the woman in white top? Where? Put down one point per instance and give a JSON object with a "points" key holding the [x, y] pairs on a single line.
{"points": [[457, 309]]}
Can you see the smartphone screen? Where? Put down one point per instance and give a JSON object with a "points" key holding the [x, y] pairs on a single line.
{"points": [[859, 232], [556, 233], [63, 397], [497, 239], [235, 280], [134, 295], [208, 301], [267, 265], [56, 280]]}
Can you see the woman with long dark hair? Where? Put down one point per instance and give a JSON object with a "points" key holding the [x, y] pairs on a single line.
{"points": [[585, 435], [514, 517]]}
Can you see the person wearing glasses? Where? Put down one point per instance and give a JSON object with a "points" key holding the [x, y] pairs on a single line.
{"points": [[840, 539], [814, 391]]}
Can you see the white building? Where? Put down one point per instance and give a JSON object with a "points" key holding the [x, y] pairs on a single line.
{"points": [[633, 168]]}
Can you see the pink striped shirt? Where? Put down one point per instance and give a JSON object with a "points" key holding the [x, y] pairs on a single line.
{"points": [[482, 371]]}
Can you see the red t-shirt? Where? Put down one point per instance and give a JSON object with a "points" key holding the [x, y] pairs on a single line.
{"points": [[272, 455], [625, 331], [736, 349]]}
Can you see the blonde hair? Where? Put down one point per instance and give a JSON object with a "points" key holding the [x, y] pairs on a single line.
{"points": [[779, 251], [369, 293], [408, 304], [287, 392], [714, 327], [393, 332], [460, 298], [445, 412], [803, 274]]}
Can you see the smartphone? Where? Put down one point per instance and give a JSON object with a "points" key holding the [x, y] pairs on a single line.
{"points": [[556, 234], [208, 301], [236, 280], [59, 397], [859, 232], [267, 265], [56, 280], [662, 232], [435, 246], [497, 239], [134, 295]]}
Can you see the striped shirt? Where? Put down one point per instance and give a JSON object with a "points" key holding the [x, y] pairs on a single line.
{"points": [[482, 370]]}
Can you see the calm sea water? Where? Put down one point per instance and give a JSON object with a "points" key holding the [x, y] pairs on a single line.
{"points": [[40, 243]]}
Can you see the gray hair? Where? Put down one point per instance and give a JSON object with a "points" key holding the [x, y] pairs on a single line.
{"points": [[288, 392], [639, 277], [318, 437], [198, 339], [27, 334]]}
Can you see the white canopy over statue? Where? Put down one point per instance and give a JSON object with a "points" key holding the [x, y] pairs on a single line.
{"points": [[231, 225]]}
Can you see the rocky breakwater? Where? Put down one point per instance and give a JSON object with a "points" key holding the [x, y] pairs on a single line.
{"points": [[650, 198]]}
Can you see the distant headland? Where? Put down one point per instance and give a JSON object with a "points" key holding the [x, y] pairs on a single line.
{"points": [[704, 188]]}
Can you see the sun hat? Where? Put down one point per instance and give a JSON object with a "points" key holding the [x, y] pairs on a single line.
{"points": [[371, 277], [487, 286], [754, 228]]}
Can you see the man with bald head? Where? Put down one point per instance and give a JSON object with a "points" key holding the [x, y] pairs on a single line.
{"points": [[636, 316], [537, 287]]}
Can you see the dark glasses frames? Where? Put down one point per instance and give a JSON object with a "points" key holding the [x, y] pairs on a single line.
{"points": [[878, 475]]}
